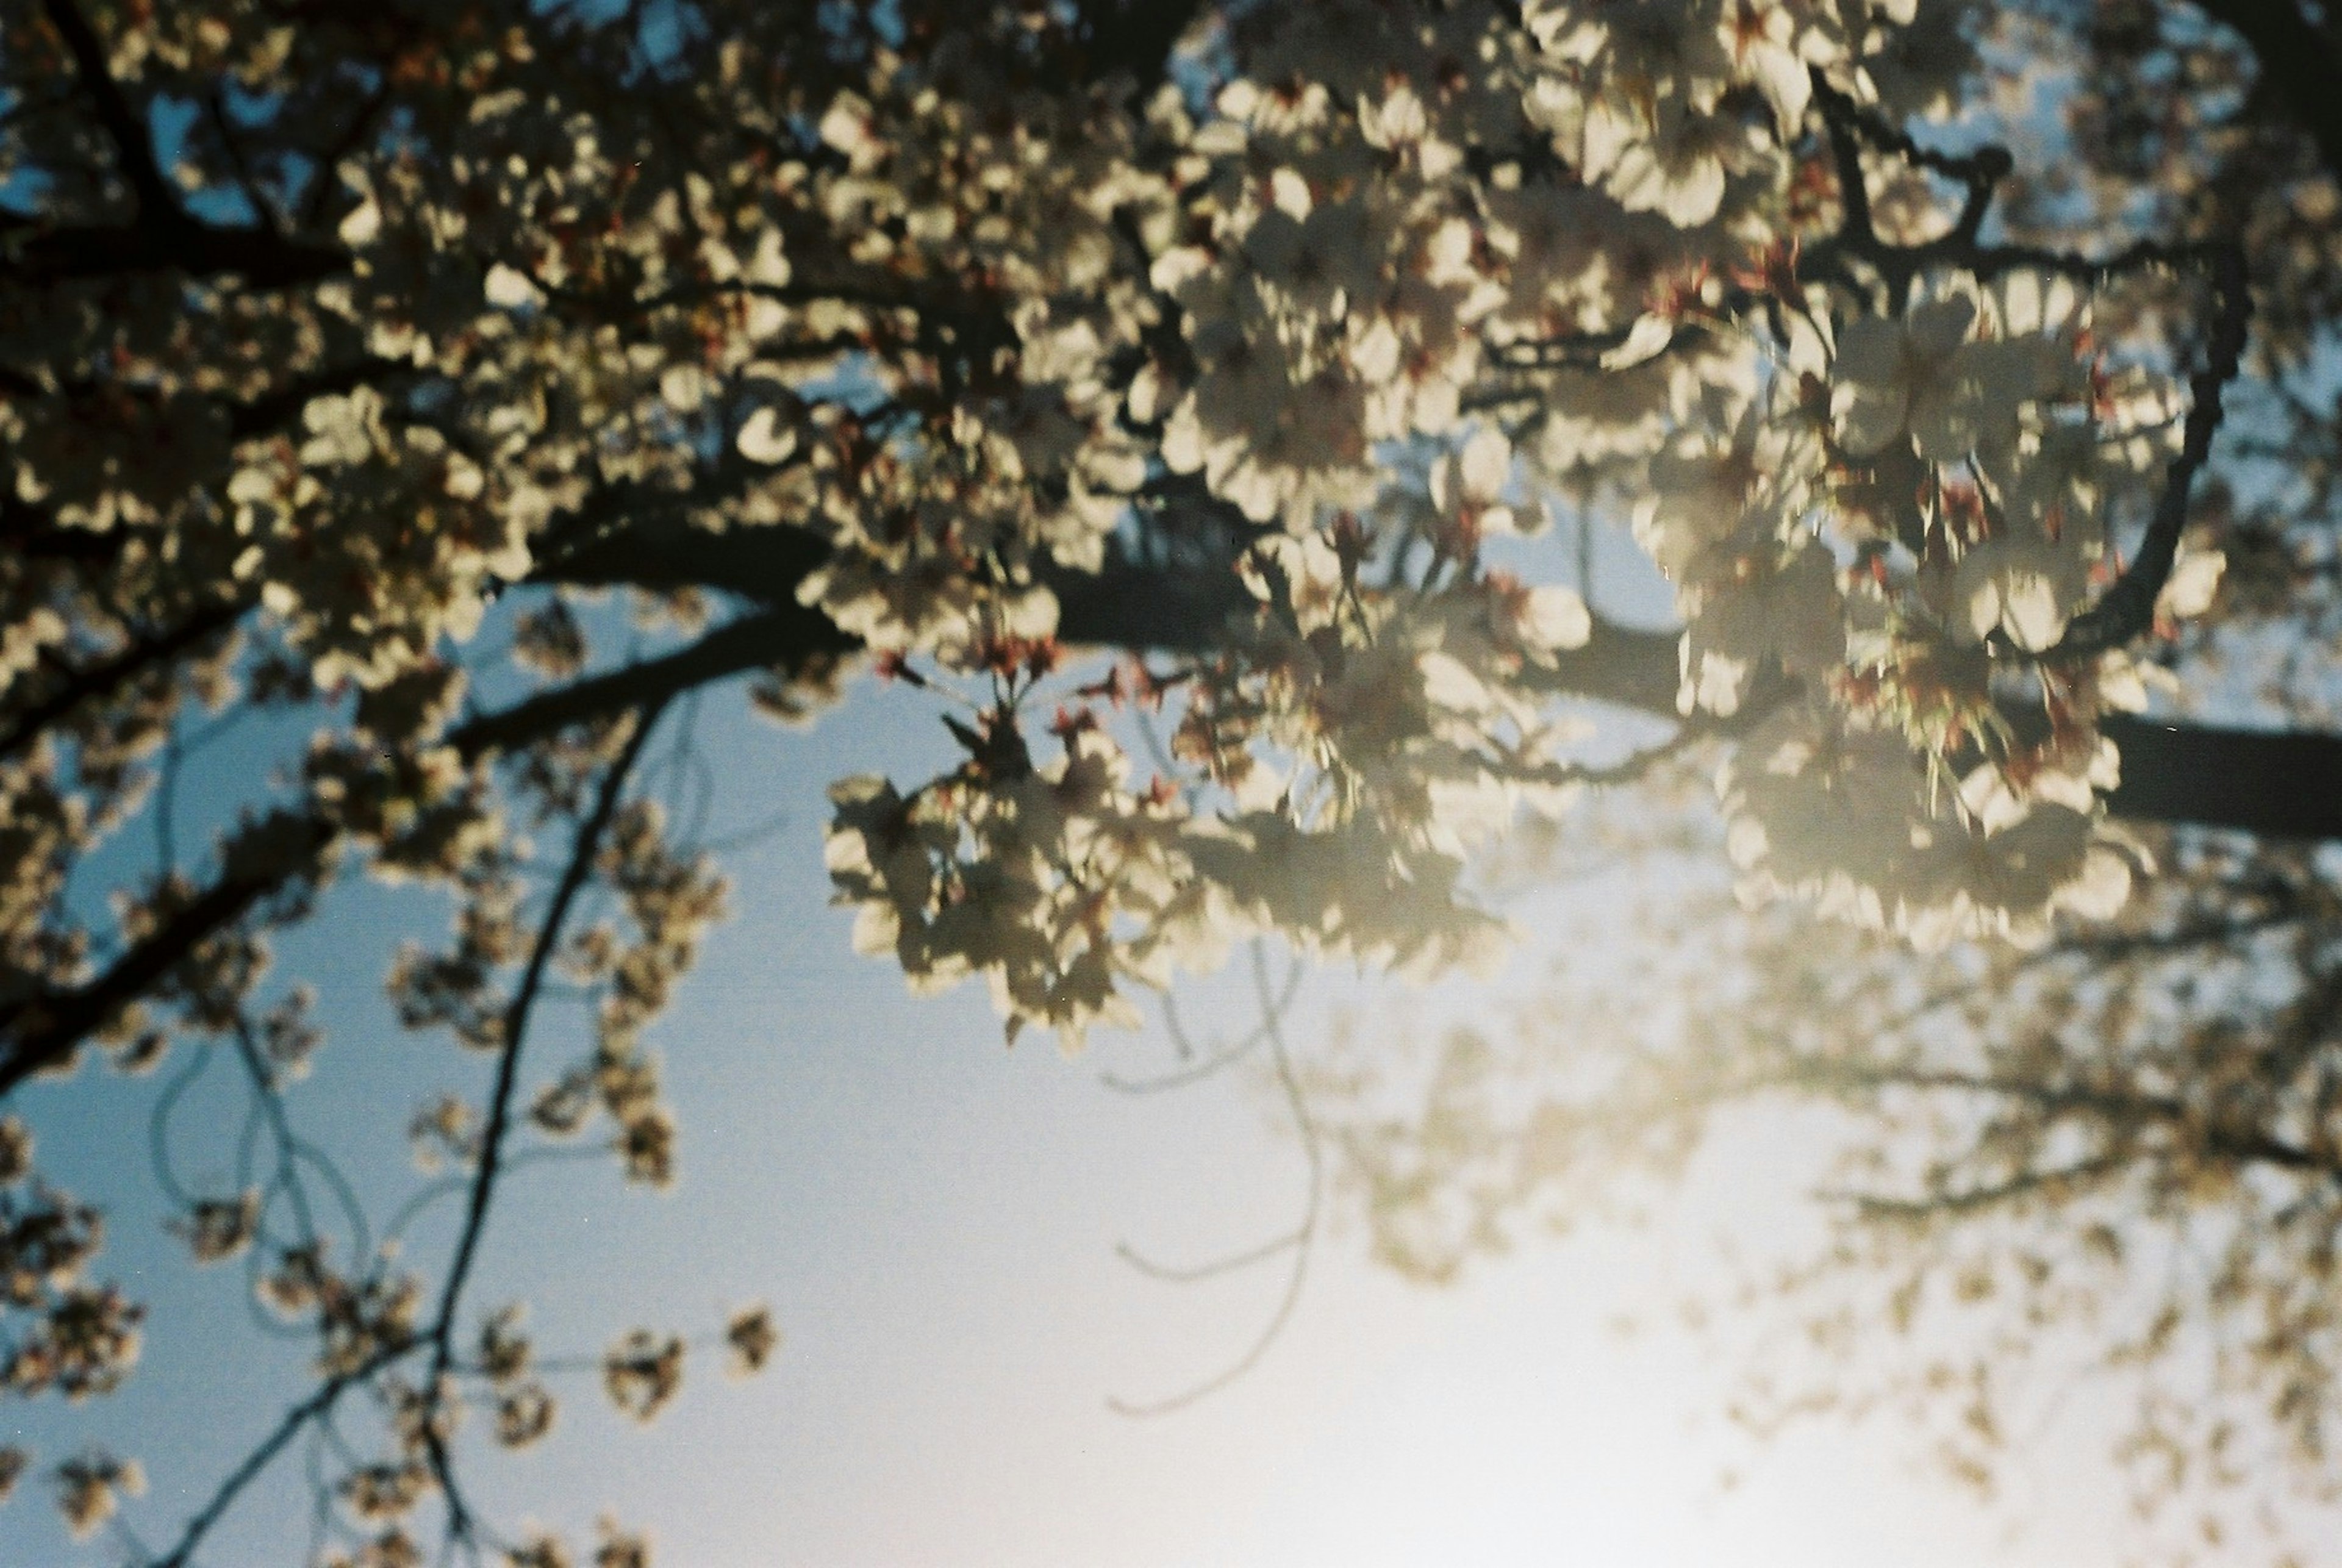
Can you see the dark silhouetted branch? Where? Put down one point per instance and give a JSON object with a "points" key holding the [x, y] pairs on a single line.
{"points": [[2296, 59], [103, 679], [574, 878]]}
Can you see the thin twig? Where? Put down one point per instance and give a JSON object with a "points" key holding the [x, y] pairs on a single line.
{"points": [[441, 1335], [313, 1408], [1198, 1071], [1304, 1235], [264, 211], [1189, 1275]]}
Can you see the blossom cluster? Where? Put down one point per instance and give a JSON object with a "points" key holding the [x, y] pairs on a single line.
{"points": [[1189, 425], [1573, 267]]}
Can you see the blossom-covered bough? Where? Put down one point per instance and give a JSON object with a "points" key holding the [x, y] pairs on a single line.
{"points": [[1081, 366]]}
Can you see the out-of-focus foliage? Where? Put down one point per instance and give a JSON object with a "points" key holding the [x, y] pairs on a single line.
{"points": [[2114, 1150], [2111, 1159]]}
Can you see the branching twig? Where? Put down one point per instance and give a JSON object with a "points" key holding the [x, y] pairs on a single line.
{"points": [[514, 1034], [314, 1408], [133, 148], [1848, 123], [42, 1030], [2127, 609], [1874, 1206], [1197, 1071], [1298, 1242]]}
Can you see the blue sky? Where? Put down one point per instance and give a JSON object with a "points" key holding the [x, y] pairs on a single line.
{"points": [[933, 1220]]}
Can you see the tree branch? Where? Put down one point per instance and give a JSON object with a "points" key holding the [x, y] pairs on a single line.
{"points": [[318, 1405], [134, 146], [108, 675], [42, 1030], [264, 260], [2110, 1107], [2056, 1183], [1298, 1242], [2285, 785], [516, 1035], [1136, 36], [162, 236], [2126, 610], [794, 636], [2297, 60], [2273, 784]]}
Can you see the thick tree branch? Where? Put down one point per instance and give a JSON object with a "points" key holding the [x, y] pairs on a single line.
{"points": [[272, 410], [1137, 35], [2285, 785], [110, 674], [30, 534], [42, 1030], [163, 236], [263, 260], [2276, 785], [786, 636], [134, 147], [2297, 61], [1127, 604]]}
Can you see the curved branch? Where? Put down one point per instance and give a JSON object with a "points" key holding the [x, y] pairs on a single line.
{"points": [[41, 1032], [1298, 1242], [791, 635], [2126, 610], [1192, 1273]]}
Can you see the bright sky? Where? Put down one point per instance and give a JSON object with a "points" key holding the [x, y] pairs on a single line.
{"points": [[933, 1220]]}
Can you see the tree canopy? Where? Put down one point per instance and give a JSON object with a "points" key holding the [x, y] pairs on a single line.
{"points": [[1219, 410]]}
